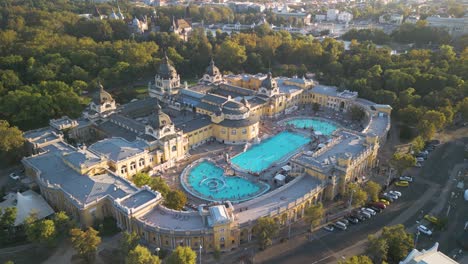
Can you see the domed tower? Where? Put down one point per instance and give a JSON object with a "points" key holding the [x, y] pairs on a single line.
{"points": [[102, 101], [269, 86], [166, 81], [212, 75], [159, 124]]}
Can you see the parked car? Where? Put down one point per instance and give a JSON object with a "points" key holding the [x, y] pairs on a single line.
{"points": [[406, 178], [365, 214], [370, 211], [385, 201], [431, 219], [424, 230], [344, 221], [397, 193], [379, 205], [418, 165], [402, 183], [359, 216], [329, 228], [420, 159], [352, 219], [14, 176], [393, 196], [378, 210], [340, 225], [387, 197]]}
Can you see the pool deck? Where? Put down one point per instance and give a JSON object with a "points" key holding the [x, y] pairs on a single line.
{"points": [[277, 200]]}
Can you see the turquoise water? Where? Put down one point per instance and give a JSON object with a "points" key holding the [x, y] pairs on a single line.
{"points": [[208, 181], [261, 156], [323, 126]]}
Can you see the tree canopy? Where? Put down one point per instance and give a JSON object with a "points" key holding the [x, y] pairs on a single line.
{"points": [[264, 230], [141, 255], [182, 255], [402, 162], [392, 245], [315, 214], [85, 242]]}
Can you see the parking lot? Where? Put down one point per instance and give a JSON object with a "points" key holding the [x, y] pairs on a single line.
{"points": [[419, 198]]}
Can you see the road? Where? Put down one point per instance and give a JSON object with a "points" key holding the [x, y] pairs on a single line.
{"points": [[421, 197]]}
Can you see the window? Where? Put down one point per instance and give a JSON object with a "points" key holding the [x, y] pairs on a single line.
{"points": [[132, 165], [244, 131], [174, 148], [233, 132], [141, 162], [123, 169], [223, 131]]}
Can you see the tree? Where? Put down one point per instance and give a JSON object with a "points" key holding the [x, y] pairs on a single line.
{"points": [[463, 108], [357, 113], [356, 193], [175, 200], [128, 242], [392, 245], [141, 255], [62, 221], [230, 55], [264, 230], [315, 214], [217, 254], [85, 242], [158, 184], [402, 161], [39, 231], [373, 189], [7, 223], [357, 260], [315, 107], [141, 179], [418, 144], [377, 249], [11, 139], [426, 129], [435, 117], [182, 255]]}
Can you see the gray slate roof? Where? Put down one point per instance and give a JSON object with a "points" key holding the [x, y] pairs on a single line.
{"points": [[117, 149]]}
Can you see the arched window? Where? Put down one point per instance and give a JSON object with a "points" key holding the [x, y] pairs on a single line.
{"points": [[174, 148], [133, 165], [123, 169], [141, 162]]}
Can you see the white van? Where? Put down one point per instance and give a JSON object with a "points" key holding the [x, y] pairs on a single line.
{"points": [[340, 225]]}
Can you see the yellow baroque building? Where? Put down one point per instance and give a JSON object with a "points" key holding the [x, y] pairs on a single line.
{"points": [[90, 181]]}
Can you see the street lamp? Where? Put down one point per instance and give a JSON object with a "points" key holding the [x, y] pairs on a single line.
{"points": [[200, 252]]}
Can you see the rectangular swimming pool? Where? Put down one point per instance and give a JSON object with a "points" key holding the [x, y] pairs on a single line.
{"points": [[263, 155]]}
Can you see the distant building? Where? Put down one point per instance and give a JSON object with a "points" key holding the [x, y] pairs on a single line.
{"points": [[412, 19], [139, 26], [298, 16], [332, 14], [320, 17], [242, 7], [345, 17], [455, 26], [430, 256], [118, 15], [181, 27], [395, 19]]}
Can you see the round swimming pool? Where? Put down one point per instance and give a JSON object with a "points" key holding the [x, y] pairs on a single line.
{"points": [[207, 181], [325, 127]]}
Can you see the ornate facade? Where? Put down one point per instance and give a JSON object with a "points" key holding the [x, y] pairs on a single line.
{"points": [[91, 182]]}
